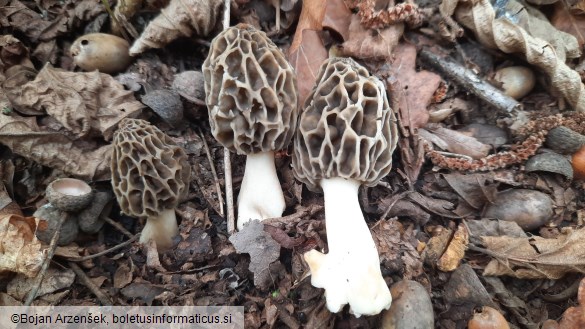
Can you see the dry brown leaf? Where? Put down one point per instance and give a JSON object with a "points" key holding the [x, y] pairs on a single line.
{"points": [[55, 150], [263, 250], [20, 250], [307, 52], [179, 19], [537, 257], [397, 248], [416, 88], [13, 52], [565, 20], [32, 24], [454, 141], [83, 102], [54, 280], [371, 44]]}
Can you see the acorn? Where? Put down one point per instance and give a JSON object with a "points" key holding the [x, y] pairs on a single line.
{"points": [[488, 318], [530, 209], [69, 194], [567, 141], [100, 51], [515, 81]]}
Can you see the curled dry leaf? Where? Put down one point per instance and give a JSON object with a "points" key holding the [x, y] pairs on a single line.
{"points": [[536, 257], [179, 19], [307, 52], [263, 250], [528, 33], [13, 52], [84, 103], [371, 44], [30, 23], [454, 141], [447, 249], [20, 250], [55, 150]]}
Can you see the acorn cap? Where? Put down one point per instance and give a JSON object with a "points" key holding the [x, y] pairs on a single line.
{"points": [[550, 162], [69, 194], [564, 140]]}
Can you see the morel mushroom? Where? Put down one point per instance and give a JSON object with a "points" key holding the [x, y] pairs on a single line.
{"points": [[251, 95], [150, 175], [347, 134]]}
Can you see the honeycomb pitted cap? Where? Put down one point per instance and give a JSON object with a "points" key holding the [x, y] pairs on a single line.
{"points": [[347, 128], [251, 92], [150, 173]]}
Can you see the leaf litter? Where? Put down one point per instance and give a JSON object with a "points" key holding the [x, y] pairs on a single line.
{"points": [[57, 122]]}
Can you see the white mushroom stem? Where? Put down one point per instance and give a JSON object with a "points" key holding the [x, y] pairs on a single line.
{"points": [[162, 229], [350, 272], [260, 193]]}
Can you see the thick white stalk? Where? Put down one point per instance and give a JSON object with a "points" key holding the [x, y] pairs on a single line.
{"points": [[350, 272], [162, 229], [260, 194]]}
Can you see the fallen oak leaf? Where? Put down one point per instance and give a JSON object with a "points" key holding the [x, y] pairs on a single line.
{"points": [[179, 18], [371, 44], [263, 250]]}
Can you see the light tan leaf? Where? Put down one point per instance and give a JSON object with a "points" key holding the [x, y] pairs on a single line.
{"points": [[455, 252], [536, 257], [20, 250], [55, 150], [179, 19], [84, 103], [454, 141], [371, 44]]}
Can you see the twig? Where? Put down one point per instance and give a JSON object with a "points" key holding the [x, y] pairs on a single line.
{"points": [[227, 165], [103, 298], [470, 81], [101, 253], [118, 226], [213, 172], [51, 251], [304, 211]]}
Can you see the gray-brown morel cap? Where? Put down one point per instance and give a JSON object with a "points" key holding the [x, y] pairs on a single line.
{"points": [[150, 173], [347, 128], [251, 92]]}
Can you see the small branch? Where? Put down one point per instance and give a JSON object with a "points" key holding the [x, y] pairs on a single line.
{"points": [[51, 252], [227, 165], [118, 226], [214, 173], [103, 298], [470, 81], [101, 253], [297, 216]]}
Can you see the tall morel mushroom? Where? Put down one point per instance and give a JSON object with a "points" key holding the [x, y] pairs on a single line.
{"points": [[346, 136], [251, 95], [150, 174]]}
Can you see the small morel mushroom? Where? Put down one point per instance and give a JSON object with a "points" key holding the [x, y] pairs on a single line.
{"points": [[251, 95], [347, 134], [150, 174]]}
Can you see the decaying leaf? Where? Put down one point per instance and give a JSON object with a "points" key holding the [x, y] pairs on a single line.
{"points": [[574, 317], [262, 248], [53, 149], [54, 280], [536, 257], [371, 44], [416, 88], [20, 250], [31, 23], [84, 103], [13, 52], [179, 19], [397, 247]]}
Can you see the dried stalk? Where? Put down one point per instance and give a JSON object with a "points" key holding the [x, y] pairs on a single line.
{"points": [[227, 164]]}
